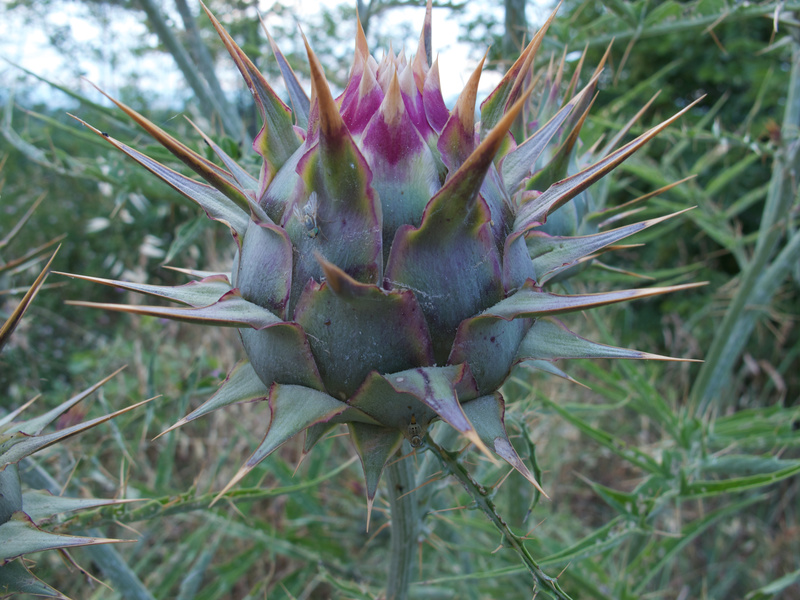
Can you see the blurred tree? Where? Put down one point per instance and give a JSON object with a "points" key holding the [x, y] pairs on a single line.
{"points": [[374, 8]]}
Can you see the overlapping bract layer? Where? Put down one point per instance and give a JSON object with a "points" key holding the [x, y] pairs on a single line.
{"points": [[386, 275]]}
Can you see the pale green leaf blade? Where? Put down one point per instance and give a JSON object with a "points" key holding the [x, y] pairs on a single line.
{"points": [[197, 294], [20, 536], [15, 578], [549, 339], [230, 311]]}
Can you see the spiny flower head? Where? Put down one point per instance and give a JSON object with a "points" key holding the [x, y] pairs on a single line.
{"points": [[384, 276]]}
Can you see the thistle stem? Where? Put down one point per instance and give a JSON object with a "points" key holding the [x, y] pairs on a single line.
{"points": [[405, 526], [481, 497]]}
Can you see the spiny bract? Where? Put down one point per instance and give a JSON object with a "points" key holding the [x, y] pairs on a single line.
{"points": [[389, 269]]}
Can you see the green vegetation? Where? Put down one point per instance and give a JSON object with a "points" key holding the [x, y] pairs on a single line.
{"points": [[665, 479]]}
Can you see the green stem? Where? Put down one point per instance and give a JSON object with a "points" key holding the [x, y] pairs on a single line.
{"points": [[187, 502], [405, 526], [481, 497]]}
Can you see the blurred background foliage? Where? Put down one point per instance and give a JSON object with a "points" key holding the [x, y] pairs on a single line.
{"points": [[668, 480]]}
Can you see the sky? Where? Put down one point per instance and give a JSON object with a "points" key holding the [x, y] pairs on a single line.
{"points": [[26, 44]]}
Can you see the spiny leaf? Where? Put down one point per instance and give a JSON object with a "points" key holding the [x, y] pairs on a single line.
{"points": [[561, 192], [14, 450], [217, 206], [35, 425], [246, 182], [277, 140], [16, 578], [229, 311], [494, 107], [518, 163], [195, 293], [375, 445], [531, 302], [40, 505], [300, 101], [293, 408], [549, 339], [487, 414], [20, 536], [16, 316], [553, 254], [218, 178]]}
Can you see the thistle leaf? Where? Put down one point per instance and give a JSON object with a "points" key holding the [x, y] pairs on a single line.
{"points": [[554, 254], [20, 536], [487, 414], [229, 311], [549, 339], [17, 447], [532, 302], [218, 178], [518, 163], [8, 327], [559, 193], [293, 408], [216, 204], [300, 103], [10, 492], [246, 182], [195, 293], [375, 446], [40, 505], [494, 108], [35, 425], [30, 255], [277, 140], [559, 164], [16, 578], [548, 367]]}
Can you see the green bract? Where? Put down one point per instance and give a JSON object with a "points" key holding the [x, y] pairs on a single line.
{"points": [[391, 263]]}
